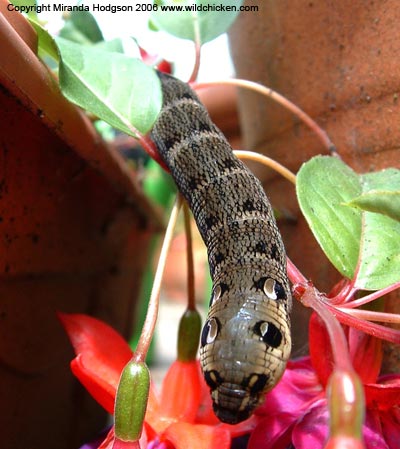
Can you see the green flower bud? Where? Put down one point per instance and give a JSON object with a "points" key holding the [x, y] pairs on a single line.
{"points": [[131, 401], [189, 335]]}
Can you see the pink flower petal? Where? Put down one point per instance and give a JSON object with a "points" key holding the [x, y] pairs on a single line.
{"points": [[273, 432], [391, 428], [372, 432], [298, 387], [311, 431], [344, 442]]}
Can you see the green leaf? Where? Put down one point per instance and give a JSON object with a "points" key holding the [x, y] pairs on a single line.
{"points": [[46, 44], [380, 252], [323, 184], [381, 193], [81, 27], [29, 3], [116, 88], [71, 33], [24, 2], [181, 19], [351, 238], [113, 46]]}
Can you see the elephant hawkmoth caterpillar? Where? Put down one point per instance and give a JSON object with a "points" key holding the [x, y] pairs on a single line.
{"points": [[245, 342]]}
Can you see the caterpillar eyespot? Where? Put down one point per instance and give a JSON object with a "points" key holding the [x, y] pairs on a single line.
{"points": [[210, 331], [245, 342], [217, 293], [269, 333], [257, 382], [269, 288]]}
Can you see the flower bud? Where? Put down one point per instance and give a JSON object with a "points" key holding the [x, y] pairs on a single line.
{"points": [[346, 406], [189, 335], [131, 401]]}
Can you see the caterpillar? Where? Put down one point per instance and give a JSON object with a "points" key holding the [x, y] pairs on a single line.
{"points": [[245, 342]]}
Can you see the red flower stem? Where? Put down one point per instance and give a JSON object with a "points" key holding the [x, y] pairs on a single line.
{"points": [[151, 149], [189, 258], [345, 394], [311, 298], [294, 273], [371, 315], [152, 310], [372, 296], [349, 293], [278, 98], [345, 293], [376, 330]]}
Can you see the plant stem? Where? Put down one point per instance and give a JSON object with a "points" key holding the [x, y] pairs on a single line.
{"points": [[151, 149], [346, 292], [197, 49], [371, 315], [189, 258], [311, 298], [294, 273], [268, 92], [376, 330], [152, 310], [372, 296], [271, 163]]}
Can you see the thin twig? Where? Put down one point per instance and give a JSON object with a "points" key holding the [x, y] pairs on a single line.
{"points": [[371, 297], [305, 118], [152, 310], [265, 160], [197, 49], [189, 258], [372, 315]]}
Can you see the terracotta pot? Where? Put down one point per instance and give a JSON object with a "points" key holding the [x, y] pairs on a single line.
{"points": [[339, 61], [74, 233]]}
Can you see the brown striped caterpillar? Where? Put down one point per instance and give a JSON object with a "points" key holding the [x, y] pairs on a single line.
{"points": [[245, 341]]}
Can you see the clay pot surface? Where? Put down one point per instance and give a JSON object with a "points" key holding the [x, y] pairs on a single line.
{"points": [[75, 228]]}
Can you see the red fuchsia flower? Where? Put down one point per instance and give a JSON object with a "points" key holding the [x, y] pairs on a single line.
{"points": [[180, 417], [160, 64], [295, 413]]}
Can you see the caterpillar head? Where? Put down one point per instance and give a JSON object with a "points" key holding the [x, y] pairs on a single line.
{"points": [[245, 344]]}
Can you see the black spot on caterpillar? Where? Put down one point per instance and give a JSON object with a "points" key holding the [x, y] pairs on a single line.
{"points": [[246, 339]]}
